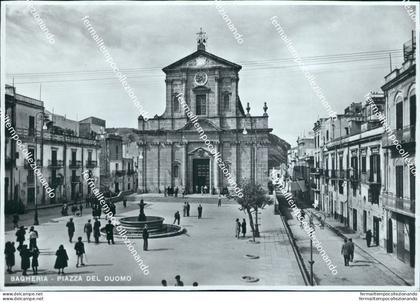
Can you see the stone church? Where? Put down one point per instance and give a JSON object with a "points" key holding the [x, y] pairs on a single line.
{"points": [[172, 154]]}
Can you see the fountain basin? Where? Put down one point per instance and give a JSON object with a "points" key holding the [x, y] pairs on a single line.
{"points": [[157, 229]]}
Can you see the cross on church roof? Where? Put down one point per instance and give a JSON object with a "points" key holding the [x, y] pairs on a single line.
{"points": [[201, 39]]}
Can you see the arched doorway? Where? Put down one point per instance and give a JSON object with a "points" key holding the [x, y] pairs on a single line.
{"points": [[389, 245]]}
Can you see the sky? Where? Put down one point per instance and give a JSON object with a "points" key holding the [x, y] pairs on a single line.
{"points": [[76, 81]]}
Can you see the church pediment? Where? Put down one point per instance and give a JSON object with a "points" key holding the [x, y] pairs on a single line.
{"points": [[205, 124], [201, 59], [200, 152]]}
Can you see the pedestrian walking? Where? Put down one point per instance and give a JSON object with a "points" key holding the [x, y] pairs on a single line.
{"points": [[188, 209], [79, 246], [70, 229], [74, 209], [113, 209], [237, 228], [368, 237], [20, 236], [351, 246], [145, 235], [243, 226], [61, 260], [109, 229], [345, 251], [96, 230], [33, 235], [184, 209], [205, 189], [25, 256], [125, 203], [200, 210], [9, 252], [177, 217], [35, 264], [178, 281], [176, 191], [81, 209], [88, 230], [219, 201], [15, 220]]}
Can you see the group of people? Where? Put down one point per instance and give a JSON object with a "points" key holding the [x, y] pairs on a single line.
{"points": [[347, 250], [24, 252], [240, 227], [169, 191], [178, 282], [186, 212], [186, 209]]}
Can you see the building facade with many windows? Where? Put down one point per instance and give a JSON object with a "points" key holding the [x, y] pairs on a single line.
{"points": [[364, 173], [59, 152], [398, 194]]}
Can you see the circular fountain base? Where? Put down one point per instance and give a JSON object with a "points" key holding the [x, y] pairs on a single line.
{"points": [[155, 226]]}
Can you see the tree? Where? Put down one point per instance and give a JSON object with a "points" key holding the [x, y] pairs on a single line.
{"points": [[254, 198]]}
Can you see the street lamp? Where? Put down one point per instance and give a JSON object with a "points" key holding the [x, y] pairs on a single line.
{"points": [[311, 261], [44, 127]]}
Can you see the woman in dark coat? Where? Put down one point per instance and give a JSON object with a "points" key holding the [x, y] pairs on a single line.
{"points": [[61, 261], [35, 255], [9, 252], [25, 255], [20, 236]]}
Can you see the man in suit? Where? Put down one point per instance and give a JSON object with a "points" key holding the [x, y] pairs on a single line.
{"points": [[96, 230], [109, 229], [345, 251], [70, 229], [351, 246]]}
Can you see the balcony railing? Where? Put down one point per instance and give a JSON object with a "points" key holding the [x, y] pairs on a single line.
{"points": [[316, 171], [333, 173], [75, 164], [404, 136], [342, 173], [55, 163], [326, 173], [397, 203], [353, 175], [91, 164], [130, 172], [119, 173]]}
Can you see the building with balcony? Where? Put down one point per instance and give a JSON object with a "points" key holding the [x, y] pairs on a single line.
{"points": [[57, 150], [348, 150], [399, 149], [119, 161], [300, 166]]}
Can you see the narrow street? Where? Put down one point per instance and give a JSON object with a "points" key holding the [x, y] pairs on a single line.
{"points": [[363, 271]]}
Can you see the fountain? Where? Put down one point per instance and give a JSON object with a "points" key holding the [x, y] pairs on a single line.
{"points": [[134, 225]]}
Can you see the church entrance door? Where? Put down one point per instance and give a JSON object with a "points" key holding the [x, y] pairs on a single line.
{"points": [[201, 174]]}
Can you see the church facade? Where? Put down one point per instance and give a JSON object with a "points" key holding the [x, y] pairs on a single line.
{"points": [[171, 151]]}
